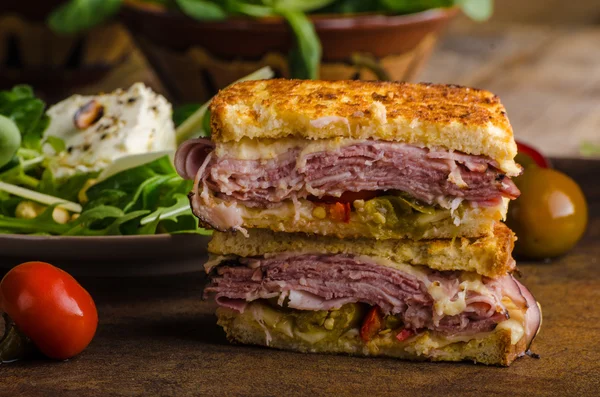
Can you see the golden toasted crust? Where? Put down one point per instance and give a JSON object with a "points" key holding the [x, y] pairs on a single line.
{"points": [[489, 256], [449, 116], [494, 348]]}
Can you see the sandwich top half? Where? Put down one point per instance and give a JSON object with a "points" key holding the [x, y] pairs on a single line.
{"points": [[353, 158], [445, 299]]}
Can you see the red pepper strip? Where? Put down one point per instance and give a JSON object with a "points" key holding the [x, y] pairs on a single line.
{"points": [[347, 210], [340, 212], [372, 325], [404, 334]]}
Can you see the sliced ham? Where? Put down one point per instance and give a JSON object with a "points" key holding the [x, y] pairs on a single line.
{"points": [[190, 156], [533, 316], [325, 282], [431, 176]]}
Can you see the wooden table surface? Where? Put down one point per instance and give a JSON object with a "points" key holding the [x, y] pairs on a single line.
{"points": [[548, 77], [156, 337]]}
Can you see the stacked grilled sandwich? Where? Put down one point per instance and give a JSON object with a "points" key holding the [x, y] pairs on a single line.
{"points": [[362, 218]]}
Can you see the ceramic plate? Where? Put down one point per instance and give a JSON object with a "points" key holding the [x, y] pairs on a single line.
{"points": [[109, 255]]}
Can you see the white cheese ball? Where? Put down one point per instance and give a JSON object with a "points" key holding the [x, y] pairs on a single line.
{"points": [[132, 121]]}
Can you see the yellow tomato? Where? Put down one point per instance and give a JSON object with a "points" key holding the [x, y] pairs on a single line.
{"points": [[550, 216]]}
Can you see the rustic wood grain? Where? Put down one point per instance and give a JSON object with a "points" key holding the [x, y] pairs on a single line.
{"points": [[157, 338]]}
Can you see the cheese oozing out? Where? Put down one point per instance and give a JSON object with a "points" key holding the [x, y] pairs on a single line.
{"points": [[134, 121]]}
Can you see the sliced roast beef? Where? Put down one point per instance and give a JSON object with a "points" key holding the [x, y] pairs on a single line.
{"points": [[431, 176], [324, 282]]}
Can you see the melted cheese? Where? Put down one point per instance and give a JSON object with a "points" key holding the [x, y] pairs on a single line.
{"points": [[267, 149], [516, 322], [420, 272], [252, 149], [516, 330], [445, 305]]}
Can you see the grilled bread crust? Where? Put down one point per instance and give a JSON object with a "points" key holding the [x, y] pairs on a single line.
{"points": [[469, 120], [489, 255], [493, 349]]}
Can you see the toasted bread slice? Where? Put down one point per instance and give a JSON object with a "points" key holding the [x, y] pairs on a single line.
{"points": [[489, 256], [492, 348], [452, 117]]}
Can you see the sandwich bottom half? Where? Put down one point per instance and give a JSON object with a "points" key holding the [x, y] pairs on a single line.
{"points": [[335, 296], [263, 325]]}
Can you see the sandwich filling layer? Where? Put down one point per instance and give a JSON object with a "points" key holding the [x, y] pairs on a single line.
{"points": [[269, 175], [413, 298]]}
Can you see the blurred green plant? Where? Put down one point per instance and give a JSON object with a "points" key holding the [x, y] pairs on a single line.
{"points": [[77, 15], [589, 149]]}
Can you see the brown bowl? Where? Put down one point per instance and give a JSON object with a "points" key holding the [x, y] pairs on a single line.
{"points": [[55, 65], [194, 59]]}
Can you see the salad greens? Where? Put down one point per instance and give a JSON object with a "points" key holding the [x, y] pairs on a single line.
{"points": [[135, 195], [77, 15], [113, 202]]}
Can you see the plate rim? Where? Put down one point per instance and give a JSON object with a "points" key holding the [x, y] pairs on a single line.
{"points": [[161, 236]]}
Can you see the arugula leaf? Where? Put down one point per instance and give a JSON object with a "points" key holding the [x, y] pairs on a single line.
{"points": [[202, 10], [94, 222], [176, 218], [8, 204], [20, 91], [148, 193], [131, 161], [67, 189], [77, 15], [15, 173], [130, 184], [306, 56], [27, 112], [182, 204]]}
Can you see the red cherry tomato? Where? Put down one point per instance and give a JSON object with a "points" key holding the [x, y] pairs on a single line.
{"points": [[528, 155], [372, 325], [50, 307]]}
